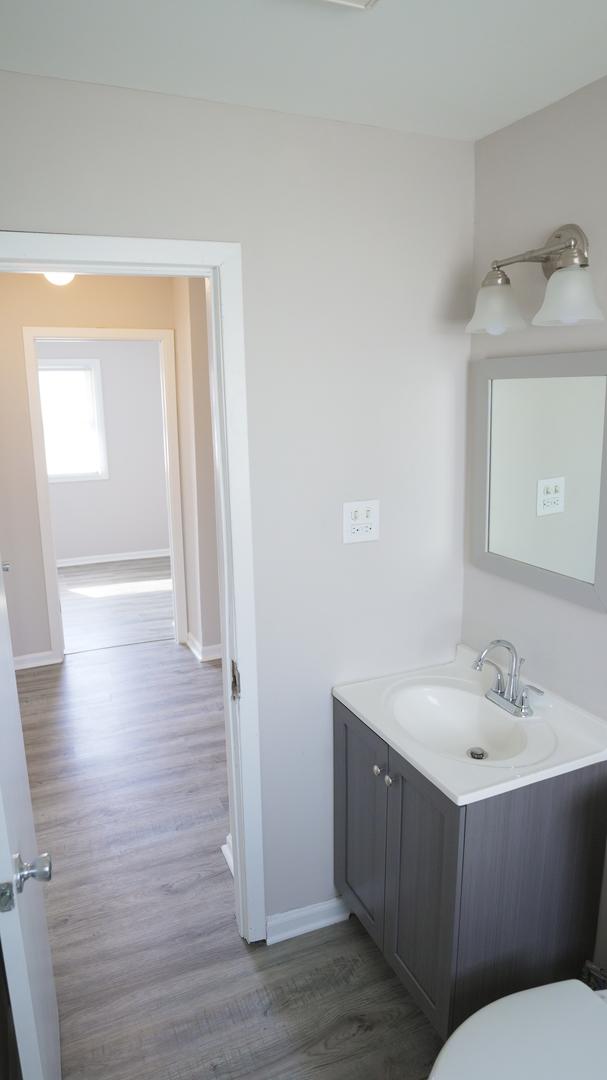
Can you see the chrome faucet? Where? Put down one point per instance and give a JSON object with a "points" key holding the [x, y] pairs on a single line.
{"points": [[511, 689], [507, 693]]}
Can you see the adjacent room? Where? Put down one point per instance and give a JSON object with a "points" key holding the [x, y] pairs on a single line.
{"points": [[303, 536], [102, 418]]}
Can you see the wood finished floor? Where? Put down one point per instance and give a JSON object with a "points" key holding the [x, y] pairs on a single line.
{"points": [[116, 603], [126, 755]]}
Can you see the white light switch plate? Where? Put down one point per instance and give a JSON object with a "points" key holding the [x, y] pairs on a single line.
{"points": [[551, 496], [361, 521]]}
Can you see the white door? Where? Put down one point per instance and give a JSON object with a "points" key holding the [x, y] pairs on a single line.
{"points": [[23, 930]]}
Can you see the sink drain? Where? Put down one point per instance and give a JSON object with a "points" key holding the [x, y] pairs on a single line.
{"points": [[477, 753]]}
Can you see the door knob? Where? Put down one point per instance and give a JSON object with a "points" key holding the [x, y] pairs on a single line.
{"points": [[377, 770], [388, 781], [41, 869]]}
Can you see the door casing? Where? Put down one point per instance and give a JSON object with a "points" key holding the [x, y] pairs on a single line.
{"points": [[220, 265], [166, 348]]}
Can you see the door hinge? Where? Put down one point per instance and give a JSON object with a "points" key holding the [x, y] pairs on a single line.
{"points": [[7, 896], [235, 681]]}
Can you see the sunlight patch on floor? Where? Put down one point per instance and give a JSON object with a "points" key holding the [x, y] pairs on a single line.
{"points": [[122, 588]]}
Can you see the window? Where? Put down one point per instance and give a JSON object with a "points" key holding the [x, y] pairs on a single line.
{"points": [[72, 418]]}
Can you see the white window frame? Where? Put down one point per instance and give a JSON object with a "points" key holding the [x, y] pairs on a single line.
{"points": [[94, 366]]}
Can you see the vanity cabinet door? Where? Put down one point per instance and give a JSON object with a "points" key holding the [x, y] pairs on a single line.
{"points": [[361, 799], [423, 869]]}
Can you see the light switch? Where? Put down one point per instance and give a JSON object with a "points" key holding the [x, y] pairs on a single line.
{"points": [[551, 496], [361, 521]]}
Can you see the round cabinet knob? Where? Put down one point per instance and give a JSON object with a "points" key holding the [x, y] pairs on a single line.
{"points": [[388, 780], [377, 770]]}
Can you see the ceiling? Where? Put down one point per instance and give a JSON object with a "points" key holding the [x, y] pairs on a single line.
{"points": [[459, 68]]}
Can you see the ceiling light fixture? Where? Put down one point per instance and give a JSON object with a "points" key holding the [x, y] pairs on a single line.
{"points": [[361, 4], [59, 277], [569, 298]]}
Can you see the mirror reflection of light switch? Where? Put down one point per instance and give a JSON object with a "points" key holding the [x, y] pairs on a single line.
{"points": [[551, 496]]}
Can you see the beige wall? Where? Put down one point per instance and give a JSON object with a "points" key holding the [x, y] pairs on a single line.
{"points": [[196, 462], [541, 172], [29, 300], [205, 474], [356, 254]]}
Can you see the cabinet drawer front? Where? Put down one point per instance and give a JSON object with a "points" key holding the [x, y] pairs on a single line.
{"points": [[360, 819], [425, 834]]}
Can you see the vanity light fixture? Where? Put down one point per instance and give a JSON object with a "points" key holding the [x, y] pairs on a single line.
{"points": [[569, 298], [59, 277]]}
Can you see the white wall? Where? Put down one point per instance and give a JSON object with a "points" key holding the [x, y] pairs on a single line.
{"points": [[356, 252], [541, 172], [128, 512]]}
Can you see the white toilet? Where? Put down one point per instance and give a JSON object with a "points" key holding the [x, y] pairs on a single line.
{"points": [[554, 1032]]}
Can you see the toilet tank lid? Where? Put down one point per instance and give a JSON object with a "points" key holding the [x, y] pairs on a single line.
{"points": [[559, 1030]]}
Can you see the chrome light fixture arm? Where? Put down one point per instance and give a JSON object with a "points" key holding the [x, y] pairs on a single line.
{"points": [[567, 246]]}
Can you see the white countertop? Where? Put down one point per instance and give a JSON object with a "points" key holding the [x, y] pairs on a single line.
{"points": [[570, 737]]}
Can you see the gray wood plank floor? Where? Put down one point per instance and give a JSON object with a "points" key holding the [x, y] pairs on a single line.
{"points": [[116, 603], [126, 755]]}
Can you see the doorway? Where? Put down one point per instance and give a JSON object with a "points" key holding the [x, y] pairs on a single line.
{"points": [[103, 413], [217, 268]]}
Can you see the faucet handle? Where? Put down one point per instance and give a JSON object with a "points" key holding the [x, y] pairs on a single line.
{"points": [[525, 707]]}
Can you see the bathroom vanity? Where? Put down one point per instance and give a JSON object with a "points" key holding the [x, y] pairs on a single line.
{"points": [[475, 877]]}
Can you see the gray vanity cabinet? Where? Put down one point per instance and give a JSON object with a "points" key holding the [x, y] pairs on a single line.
{"points": [[467, 903], [423, 853], [361, 762]]}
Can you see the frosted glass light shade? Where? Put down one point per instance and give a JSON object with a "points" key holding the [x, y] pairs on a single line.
{"points": [[59, 277], [569, 299], [496, 311]]}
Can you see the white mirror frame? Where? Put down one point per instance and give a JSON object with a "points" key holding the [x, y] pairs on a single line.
{"points": [[553, 365]]}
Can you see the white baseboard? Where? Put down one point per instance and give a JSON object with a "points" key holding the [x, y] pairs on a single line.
{"points": [[37, 659], [211, 652], [194, 646], [226, 851], [288, 924], [203, 652], [121, 556]]}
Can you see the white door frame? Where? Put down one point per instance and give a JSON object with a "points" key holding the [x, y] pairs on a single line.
{"points": [[166, 347], [221, 265]]}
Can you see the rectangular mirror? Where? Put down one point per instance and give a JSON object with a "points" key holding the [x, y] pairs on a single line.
{"points": [[538, 505]]}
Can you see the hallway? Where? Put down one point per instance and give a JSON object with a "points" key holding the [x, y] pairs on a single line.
{"points": [[126, 756], [116, 603]]}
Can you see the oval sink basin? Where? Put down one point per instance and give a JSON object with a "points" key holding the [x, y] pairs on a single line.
{"points": [[454, 718]]}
